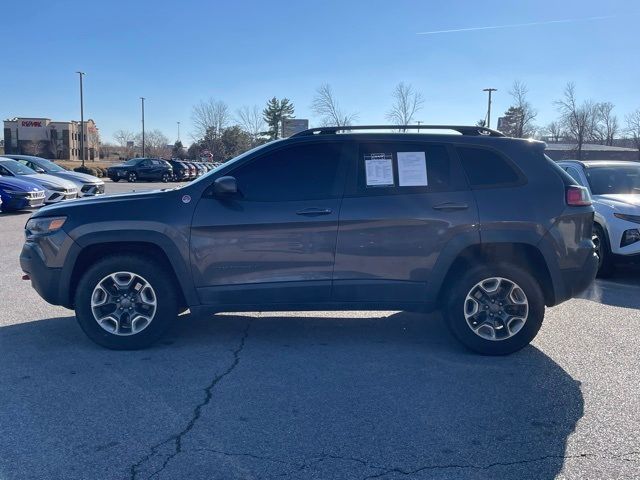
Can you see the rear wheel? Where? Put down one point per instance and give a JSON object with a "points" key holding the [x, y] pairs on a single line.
{"points": [[132, 177], [495, 309], [166, 177], [125, 302], [603, 252]]}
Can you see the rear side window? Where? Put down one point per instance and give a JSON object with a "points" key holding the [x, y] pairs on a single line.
{"points": [[389, 167], [298, 172], [487, 168]]}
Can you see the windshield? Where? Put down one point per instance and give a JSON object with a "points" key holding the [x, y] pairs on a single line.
{"points": [[614, 179], [16, 168], [49, 167]]}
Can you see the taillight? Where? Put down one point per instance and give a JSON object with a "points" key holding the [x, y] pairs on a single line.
{"points": [[578, 196]]}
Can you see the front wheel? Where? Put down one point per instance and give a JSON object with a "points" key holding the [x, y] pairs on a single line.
{"points": [[132, 177], [166, 178], [603, 252], [125, 302], [495, 309]]}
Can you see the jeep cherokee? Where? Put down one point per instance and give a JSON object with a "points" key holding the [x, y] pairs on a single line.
{"points": [[333, 218]]}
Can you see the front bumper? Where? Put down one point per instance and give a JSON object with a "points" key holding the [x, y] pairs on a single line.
{"points": [[21, 203], [53, 196], [44, 280]]}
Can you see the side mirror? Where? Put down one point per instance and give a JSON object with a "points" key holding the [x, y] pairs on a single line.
{"points": [[40, 170], [225, 186]]}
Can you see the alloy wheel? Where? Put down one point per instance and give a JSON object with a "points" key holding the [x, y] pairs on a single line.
{"points": [[123, 303], [496, 308]]}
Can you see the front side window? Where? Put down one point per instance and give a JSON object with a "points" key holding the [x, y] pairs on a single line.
{"points": [[486, 168], [298, 172]]}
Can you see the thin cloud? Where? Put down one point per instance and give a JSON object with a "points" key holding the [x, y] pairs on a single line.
{"points": [[516, 25]]}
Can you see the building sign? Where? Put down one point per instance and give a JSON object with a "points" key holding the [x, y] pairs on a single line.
{"points": [[291, 126], [31, 123], [32, 129]]}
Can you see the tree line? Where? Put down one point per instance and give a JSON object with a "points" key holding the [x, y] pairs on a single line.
{"points": [[221, 134]]}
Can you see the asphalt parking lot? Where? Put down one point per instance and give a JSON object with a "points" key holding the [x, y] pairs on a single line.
{"points": [[317, 395]]}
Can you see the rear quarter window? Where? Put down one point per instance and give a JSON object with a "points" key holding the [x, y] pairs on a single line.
{"points": [[486, 168]]}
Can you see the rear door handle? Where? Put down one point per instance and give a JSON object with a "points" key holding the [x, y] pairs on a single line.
{"points": [[450, 206], [314, 212]]}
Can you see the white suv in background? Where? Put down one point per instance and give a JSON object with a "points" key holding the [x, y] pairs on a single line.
{"points": [[615, 189]]}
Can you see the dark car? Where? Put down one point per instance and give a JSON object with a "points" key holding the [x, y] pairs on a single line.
{"points": [[193, 171], [482, 226], [180, 170], [18, 194], [201, 168], [152, 169]]}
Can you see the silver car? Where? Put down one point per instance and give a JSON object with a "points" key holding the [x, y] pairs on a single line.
{"points": [[55, 189], [87, 185]]}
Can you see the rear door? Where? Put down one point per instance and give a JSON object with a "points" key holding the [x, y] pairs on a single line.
{"points": [[405, 202], [273, 242]]}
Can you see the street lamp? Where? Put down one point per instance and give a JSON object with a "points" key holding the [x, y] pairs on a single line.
{"points": [[81, 74], [178, 130], [142, 98], [489, 104]]}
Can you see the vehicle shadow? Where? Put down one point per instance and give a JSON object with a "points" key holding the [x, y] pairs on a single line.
{"points": [[307, 396], [621, 290]]}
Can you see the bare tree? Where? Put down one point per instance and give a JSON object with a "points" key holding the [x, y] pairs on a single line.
{"points": [[210, 118], [633, 128], [252, 122], [577, 119], [523, 127], [327, 108], [606, 125], [125, 139], [554, 131], [406, 102], [156, 144]]}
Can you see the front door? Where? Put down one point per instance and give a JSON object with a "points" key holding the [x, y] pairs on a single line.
{"points": [[274, 241]]}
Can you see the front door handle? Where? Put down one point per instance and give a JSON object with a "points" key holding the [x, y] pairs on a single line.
{"points": [[450, 206], [314, 212]]}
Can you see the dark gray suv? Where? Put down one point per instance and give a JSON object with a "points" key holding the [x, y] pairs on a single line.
{"points": [[484, 226]]}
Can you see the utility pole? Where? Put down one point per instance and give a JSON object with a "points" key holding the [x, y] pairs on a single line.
{"points": [[418, 122], [489, 104], [81, 74], [178, 131], [142, 98]]}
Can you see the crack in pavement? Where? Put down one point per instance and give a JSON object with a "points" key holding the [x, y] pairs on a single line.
{"points": [[176, 439]]}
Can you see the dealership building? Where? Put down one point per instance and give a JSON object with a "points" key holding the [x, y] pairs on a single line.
{"points": [[44, 137]]}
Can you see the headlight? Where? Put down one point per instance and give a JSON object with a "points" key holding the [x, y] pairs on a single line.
{"points": [[44, 225], [628, 218]]}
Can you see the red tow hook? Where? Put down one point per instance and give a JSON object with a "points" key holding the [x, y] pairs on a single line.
{"points": [[26, 277]]}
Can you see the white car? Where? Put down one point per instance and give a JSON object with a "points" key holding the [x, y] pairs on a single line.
{"points": [[55, 189], [615, 189], [87, 185]]}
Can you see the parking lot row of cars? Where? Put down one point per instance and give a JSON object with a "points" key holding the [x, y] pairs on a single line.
{"points": [[156, 169], [30, 182]]}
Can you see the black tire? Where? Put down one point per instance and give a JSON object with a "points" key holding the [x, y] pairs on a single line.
{"points": [[165, 295], [454, 309], [606, 266], [166, 177], [132, 177]]}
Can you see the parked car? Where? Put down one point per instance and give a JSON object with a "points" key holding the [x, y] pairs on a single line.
{"points": [[200, 167], [152, 169], [482, 226], [180, 170], [615, 188], [193, 169], [87, 185], [55, 189], [18, 194]]}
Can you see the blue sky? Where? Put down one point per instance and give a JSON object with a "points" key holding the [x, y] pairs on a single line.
{"points": [[178, 53]]}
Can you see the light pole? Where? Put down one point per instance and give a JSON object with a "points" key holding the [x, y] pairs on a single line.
{"points": [[489, 104], [418, 122], [142, 98], [178, 131], [81, 74]]}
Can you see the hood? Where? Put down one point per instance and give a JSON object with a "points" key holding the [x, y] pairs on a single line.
{"points": [[618, 199], [18, 184], [68, 206], [119, 165], [78, 177], [40, 178]]}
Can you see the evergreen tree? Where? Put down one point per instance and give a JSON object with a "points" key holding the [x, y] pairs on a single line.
{"points": [[274, 113], [178, 150]]}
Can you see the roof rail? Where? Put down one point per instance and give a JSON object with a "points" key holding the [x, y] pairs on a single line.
{"points": [[463, 129]]}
